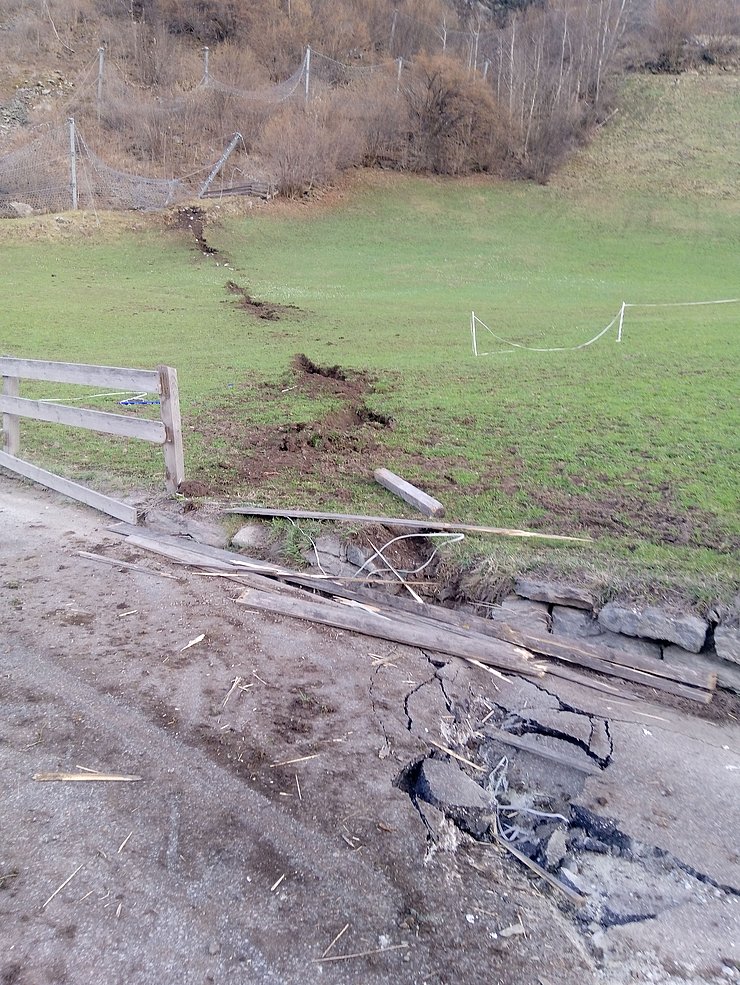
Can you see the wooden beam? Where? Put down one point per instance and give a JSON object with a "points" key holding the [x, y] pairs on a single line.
{"points": [[387, 521], [174, 460], [11, 422], [68, 488], [409, 494], [517, 742], [112, 377], [92, 420], [385, 626]]}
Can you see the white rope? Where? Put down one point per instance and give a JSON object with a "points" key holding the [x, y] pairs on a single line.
{"points": [[475, 320], [531, 348], [680, 304]]}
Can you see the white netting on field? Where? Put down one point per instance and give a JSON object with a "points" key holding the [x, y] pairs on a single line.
{"points": [[618, 320]]}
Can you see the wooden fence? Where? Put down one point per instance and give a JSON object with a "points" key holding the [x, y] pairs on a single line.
{"points": [[166, 432]]}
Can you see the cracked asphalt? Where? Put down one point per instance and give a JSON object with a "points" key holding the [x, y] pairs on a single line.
{"points": [[269, 816]]}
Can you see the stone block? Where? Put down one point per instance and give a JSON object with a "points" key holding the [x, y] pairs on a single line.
{"points": [[655, 623], [727, 643], [579, 625], [555, 593]]}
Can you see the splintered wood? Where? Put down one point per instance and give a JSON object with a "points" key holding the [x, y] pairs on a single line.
{"points": [[492, 645]]}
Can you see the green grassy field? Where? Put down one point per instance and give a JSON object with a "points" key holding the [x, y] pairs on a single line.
{"points": [[635, 443]]}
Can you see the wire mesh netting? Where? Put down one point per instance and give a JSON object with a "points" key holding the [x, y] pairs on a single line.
{"points": [[37, 175]]}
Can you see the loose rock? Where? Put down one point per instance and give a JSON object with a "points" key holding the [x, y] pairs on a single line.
{"points": [[251, 536]]}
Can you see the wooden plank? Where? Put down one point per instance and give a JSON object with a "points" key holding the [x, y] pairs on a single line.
{"points": [[466, 528], [11, 422], [180, 554], [382, 626], [112, 377], [68, 488], [174, 461], [517, 742], [81, 417], [409, 494], [652, 673]]}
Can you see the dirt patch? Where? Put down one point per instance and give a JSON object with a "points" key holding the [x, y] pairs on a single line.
{"points": [[260, 309], [616, 512], [306, 365], [194, 219], [335, 444]]}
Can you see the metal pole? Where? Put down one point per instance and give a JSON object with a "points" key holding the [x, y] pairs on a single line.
{"points": [[219, 164], [621, 321], [398, 77], [101, 64], [308, 69], [205, 63], [73, 160]]}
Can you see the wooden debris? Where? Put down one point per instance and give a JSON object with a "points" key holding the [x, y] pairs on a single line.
{"points": [[457, 756], [485, 643], [409, 494], [124, 564], [364, 954], [60, 888], [89, 777], [340, 934], [289, 762], [397, 630], [518, 742], [198, 639], [466, 528], [277, 882]]}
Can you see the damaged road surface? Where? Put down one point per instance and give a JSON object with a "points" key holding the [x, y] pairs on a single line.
{"points": [[300, 815]]}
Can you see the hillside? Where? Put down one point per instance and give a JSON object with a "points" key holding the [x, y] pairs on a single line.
{"points": [[158, 89]]}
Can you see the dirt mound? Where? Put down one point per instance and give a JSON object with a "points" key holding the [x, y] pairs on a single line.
{"points": [[260, 309], [339, 442], [306, 365]]}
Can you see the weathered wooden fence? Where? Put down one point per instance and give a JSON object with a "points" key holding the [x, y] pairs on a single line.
{"points": [[166, 432]]}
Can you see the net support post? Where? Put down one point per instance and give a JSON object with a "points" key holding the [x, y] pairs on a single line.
{"points": [[73, 161]]}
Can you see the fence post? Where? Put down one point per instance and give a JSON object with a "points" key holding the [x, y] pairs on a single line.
{"points": [[308, 69], [205, 63], [73, 160], [398, 76], [101, 66], [169, 406], [11, 422]]}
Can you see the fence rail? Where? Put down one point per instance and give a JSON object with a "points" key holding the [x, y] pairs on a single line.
{"points": [[167, 432]]}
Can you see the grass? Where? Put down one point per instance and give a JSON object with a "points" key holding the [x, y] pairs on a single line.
{"points": [[638, 441]]}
